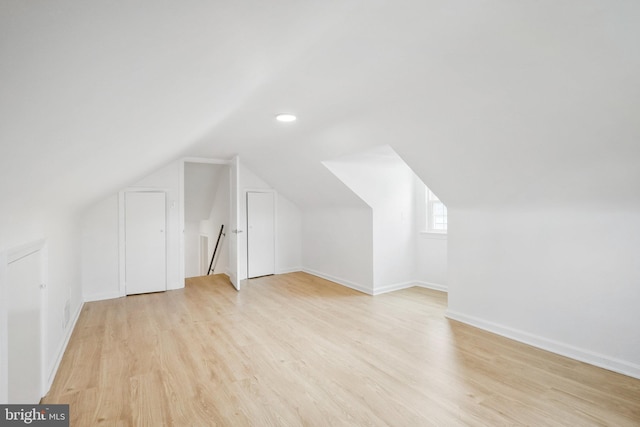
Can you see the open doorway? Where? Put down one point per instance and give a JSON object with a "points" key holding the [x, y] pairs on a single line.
{"points": [[206, 209]]}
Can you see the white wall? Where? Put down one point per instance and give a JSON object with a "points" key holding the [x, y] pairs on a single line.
{"points": [[192, 248], [289, 236], [431, 261], [60, 231], [394, 230], [565, 280], [101, 222], [200, 185], [100, 232], [431, 266], [337, 244], [385, 182], [64, 284], [99, 262]]}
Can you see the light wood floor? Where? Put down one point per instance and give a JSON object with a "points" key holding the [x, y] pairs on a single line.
{"points": [[297, 350]]}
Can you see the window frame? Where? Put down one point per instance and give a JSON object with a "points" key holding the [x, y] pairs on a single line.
{"points": [[431, 201]]}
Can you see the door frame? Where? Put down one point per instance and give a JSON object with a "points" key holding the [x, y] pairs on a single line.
{"points": [[181, 214], [235, 202]]}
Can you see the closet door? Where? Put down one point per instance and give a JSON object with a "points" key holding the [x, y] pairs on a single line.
{"points": [[145, 242], [260, 234]]}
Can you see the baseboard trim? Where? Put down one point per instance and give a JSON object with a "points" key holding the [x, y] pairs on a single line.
{"points": [[406, 285], [376, 291], [62, 348], [582, 355], [393, 287], [339, 281], [104, 296], [434, 286], [288, 270]]}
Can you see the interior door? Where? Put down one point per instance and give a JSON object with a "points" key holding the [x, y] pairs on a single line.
{"points": [[145, 242], [24, 327], [234, 222], [260, 234]]}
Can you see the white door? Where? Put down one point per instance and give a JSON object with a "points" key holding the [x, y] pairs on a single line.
{"points": [[24, 327], [234, 221], [260, 234], [145, 242]]}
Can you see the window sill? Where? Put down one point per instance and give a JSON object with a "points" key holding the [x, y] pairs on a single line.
{"points": [[433, 235]]}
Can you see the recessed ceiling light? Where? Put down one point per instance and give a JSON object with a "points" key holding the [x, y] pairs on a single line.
{"points": [[286, 117]]}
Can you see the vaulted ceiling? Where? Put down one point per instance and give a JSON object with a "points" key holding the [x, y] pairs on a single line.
{"points": [[491, 103]]}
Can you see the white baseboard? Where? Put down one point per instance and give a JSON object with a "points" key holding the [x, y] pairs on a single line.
{"points": [[600, 360], [288, 270], [377, 290], [393, 287], [343, 282], [103, 296], [62, 348], [405, 285], [434, 286]]}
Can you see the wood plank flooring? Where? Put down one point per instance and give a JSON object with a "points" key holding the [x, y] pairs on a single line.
{"points": [[296, 350]]}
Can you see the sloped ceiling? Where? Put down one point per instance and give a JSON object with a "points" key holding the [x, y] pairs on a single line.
{"points": [[378, 176], [495, 102]]}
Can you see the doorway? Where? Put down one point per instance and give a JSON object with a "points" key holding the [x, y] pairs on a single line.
{"points": [[206, 208]]}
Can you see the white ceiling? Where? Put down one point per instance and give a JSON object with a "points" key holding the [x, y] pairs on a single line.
{"points": [[491, 103]]}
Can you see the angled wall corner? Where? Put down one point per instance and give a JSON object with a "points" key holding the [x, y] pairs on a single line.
{"points": [[337, 245], [382, 179]]}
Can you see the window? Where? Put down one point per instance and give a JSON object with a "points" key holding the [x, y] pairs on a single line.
{"points": [[436, 214]]}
